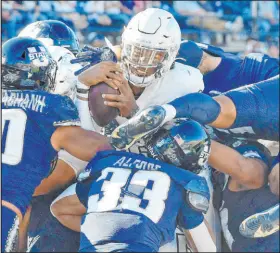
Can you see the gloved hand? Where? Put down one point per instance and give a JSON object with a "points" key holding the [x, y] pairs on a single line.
{"points": [[189, 54], [92, 56]]}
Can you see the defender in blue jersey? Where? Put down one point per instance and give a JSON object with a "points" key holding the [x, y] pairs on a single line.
{"points": [[35, 125], [132, 203], [224, 71], [240, 190], [250, 112]]}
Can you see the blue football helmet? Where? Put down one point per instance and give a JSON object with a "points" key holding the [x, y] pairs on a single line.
{"points": [[27, 65], [180, 142], [52, 33]]}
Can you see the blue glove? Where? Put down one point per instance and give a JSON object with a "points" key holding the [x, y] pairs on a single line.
{"points": [[189, 54], [92, 56]]}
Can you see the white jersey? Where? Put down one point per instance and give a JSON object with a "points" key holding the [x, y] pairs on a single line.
{"points": [[176, 83]]}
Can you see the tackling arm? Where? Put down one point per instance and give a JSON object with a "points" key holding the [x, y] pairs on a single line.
{"points": [[81, 143], [68, 209], [250, 172], [62, 176], [244, 106]]}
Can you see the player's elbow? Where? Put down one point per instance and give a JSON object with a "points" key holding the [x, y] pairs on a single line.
{"points": [[58, 138], [252, 172]]}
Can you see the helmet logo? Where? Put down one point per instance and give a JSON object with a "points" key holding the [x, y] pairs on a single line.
{"points": [[39, 56]]}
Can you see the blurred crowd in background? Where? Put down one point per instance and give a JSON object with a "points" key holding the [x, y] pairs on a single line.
{"points": [[240, 26]]}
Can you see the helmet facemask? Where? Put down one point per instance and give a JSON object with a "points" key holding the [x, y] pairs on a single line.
{"points": [[143, 66]]}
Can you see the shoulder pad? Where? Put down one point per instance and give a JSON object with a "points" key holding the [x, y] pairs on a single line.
{"points": [[197, 195]]}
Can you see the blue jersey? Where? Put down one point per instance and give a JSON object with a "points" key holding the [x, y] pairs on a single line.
{"points": [[257, 110], [234, 71], [235, 206], [29, 118], [133, 203]]}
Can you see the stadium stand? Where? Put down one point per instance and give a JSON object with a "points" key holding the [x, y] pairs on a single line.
{"points": [[230, 24]]}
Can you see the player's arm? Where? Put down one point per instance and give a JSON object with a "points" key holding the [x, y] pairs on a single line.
{"points": [[68, 209], [66, 170], [201, 238], [60, 178], [80, 143], [246, 171], [23, 228], [244, 106]]}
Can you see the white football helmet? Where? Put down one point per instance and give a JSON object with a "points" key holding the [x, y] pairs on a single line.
{"points": [[66, 81], [150, 44]]}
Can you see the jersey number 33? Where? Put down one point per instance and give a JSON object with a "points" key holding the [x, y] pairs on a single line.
{"points": [[154, 198]]}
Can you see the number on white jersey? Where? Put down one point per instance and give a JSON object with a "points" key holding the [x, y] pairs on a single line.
{"points": [[13, 129], [111, 189]]}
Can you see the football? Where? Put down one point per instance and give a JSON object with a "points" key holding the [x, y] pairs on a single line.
{"points": [[102, 114]]}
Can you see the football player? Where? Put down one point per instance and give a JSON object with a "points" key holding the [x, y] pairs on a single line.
{"points": [[35, 125], [251, 111], [224, 71], [140, 197], [63, 45], [240, 190], [150, 44], [159, 50]]}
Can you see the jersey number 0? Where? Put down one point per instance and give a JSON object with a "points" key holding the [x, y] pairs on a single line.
{"points": [[13, 129]]}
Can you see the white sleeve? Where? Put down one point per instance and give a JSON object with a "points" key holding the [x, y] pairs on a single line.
{"points": [[76, 164], [81, 102]]}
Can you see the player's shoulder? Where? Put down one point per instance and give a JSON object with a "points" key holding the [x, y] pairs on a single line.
{"points": [[61, 109], [184, 77], [60, 53], [62, 100], [64, 110], [185, 70]]}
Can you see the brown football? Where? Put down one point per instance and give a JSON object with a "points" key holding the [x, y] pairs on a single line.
{"points": [[101, 113]]}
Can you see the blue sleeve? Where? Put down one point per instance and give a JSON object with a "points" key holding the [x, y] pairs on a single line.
{"points": [[258, 67], [188, 218], [65, 112], [257, 105]]}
